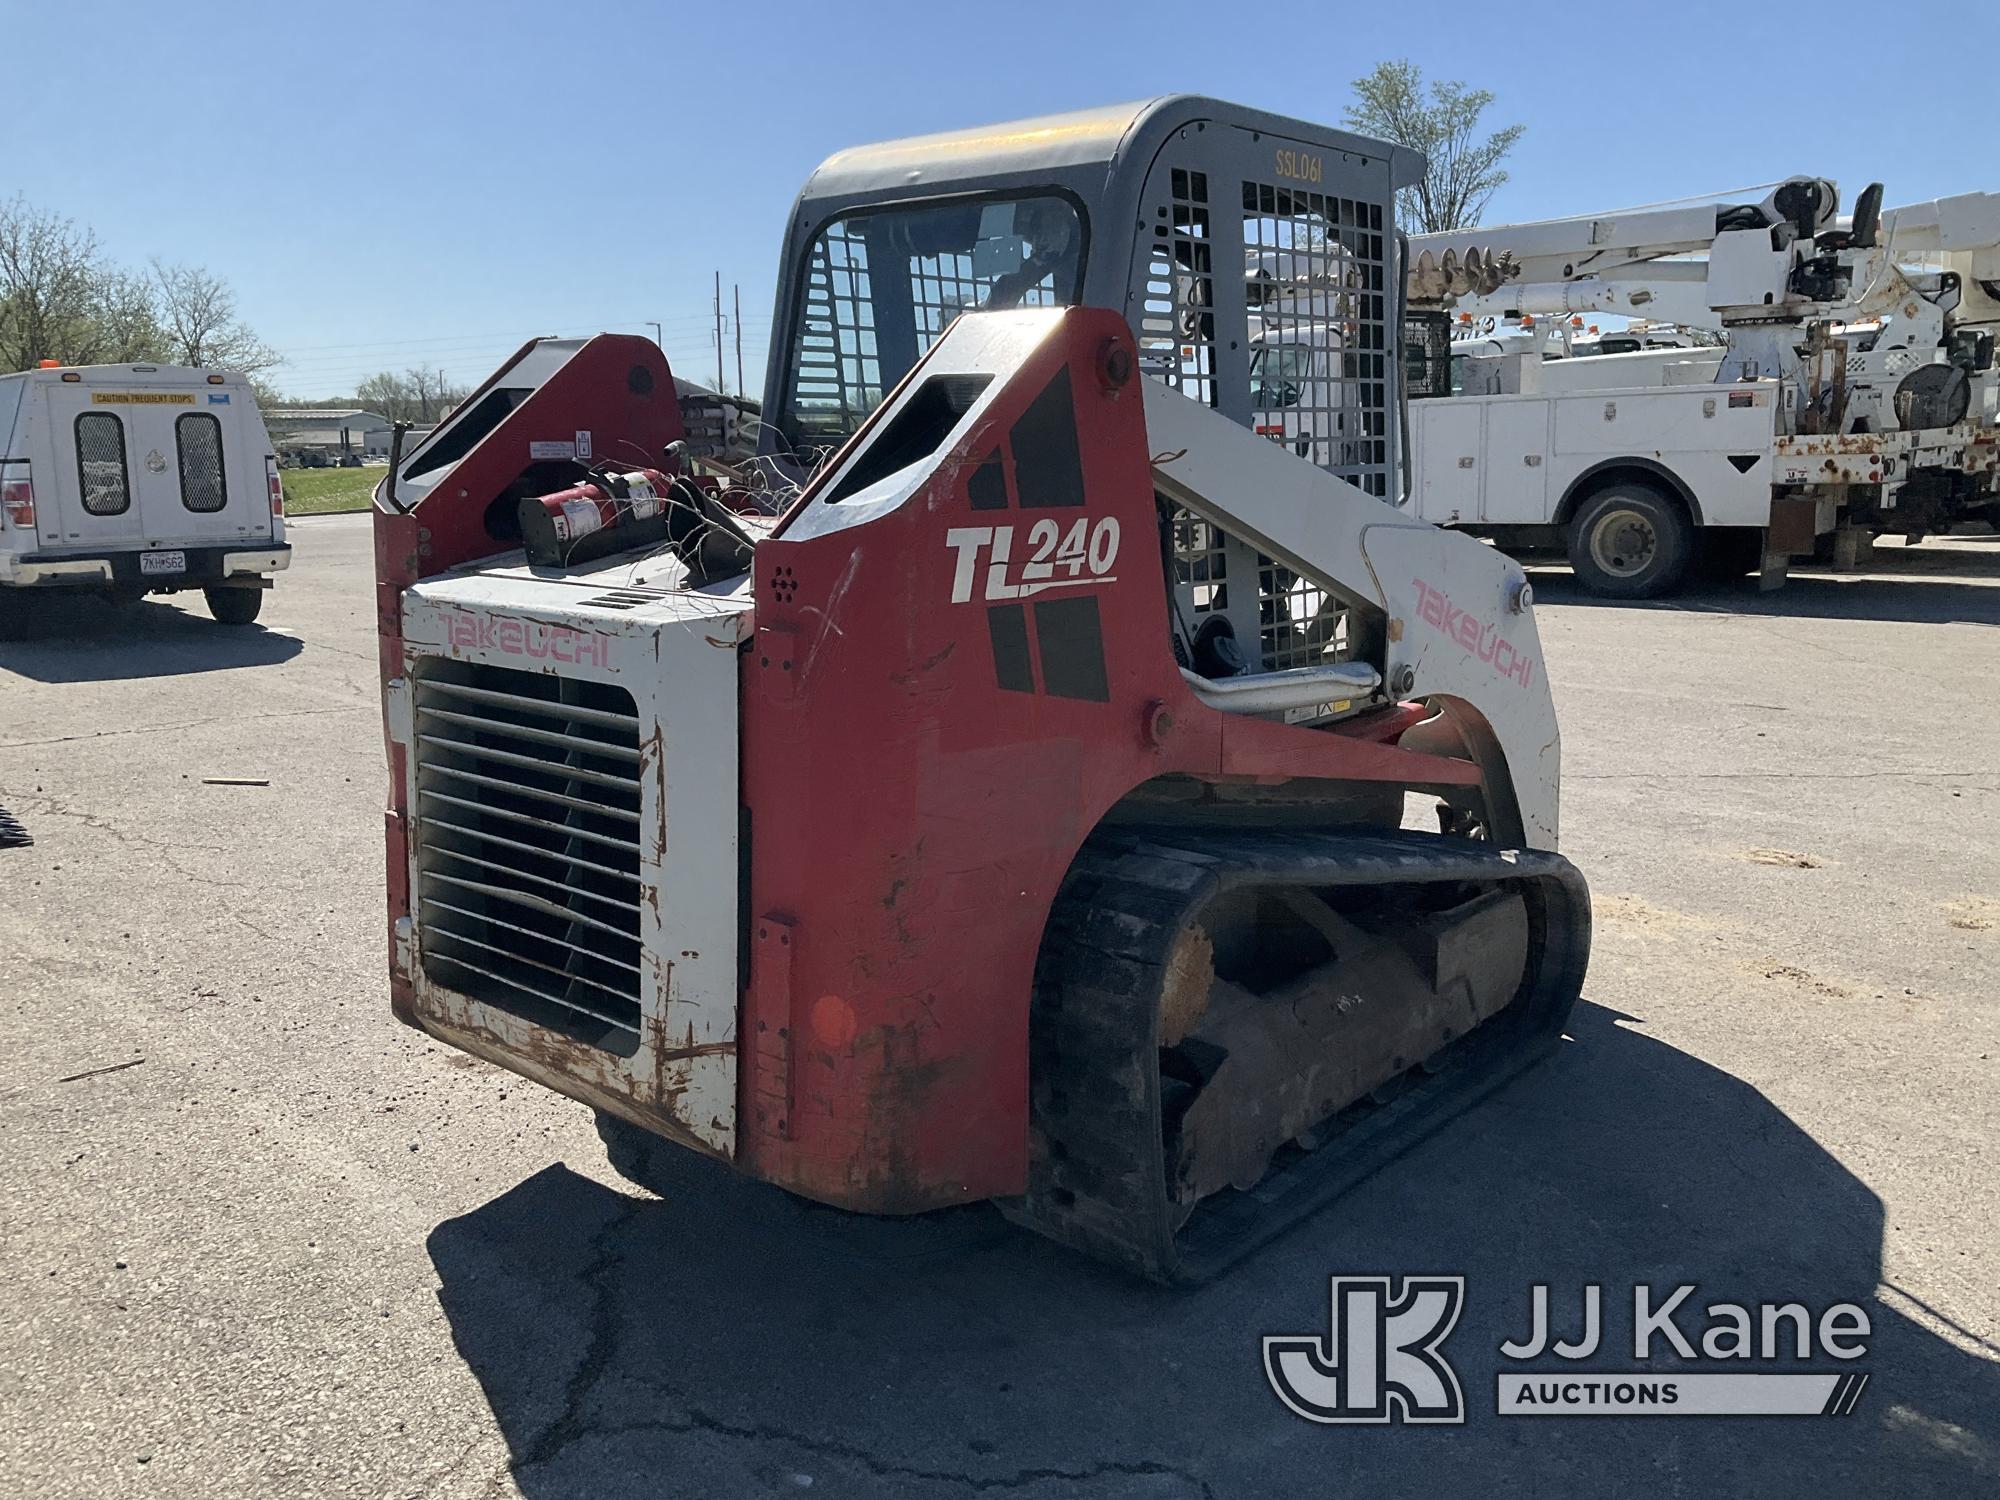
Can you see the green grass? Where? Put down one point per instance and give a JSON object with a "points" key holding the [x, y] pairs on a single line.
{"points": [[321, 492]]}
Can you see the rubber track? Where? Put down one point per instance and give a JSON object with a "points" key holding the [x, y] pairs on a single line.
{"points": [[1096, 1175]]}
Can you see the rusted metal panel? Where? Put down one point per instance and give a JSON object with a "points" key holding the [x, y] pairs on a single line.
{"points": [[675, 652], [774, 1081], [1793, 525], [1838, 458]]}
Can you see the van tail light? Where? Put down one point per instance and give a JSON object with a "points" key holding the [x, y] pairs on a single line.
{"points": [[17, 496], [275, 485]]}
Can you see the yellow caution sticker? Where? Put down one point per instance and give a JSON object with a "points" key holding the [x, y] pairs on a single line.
{"points": [[141, 398]]}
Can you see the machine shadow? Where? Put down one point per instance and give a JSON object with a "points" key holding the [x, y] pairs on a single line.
{"points": [[1933, 584], [82, 638], [729, 1338]]}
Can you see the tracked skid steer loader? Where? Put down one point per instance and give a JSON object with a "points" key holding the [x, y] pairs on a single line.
{"points": [[1026, 780]]}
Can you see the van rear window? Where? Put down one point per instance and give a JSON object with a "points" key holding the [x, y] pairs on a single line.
{"points": [[198, 436], [100, 464]]}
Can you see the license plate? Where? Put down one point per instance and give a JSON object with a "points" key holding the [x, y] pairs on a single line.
{"points": [[163, 562]]}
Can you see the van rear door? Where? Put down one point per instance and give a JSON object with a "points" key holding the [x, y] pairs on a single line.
{"points": [[192, 498], [94, 488], [217, 449]]}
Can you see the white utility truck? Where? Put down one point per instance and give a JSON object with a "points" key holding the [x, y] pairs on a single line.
{"points": [[1854, 394], [131, 480]]}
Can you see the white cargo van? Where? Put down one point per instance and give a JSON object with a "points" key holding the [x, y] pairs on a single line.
{"points": [[139, 479]]}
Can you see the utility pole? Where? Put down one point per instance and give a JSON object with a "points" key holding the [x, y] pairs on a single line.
{"points": [[738, 287], [720, 388]]}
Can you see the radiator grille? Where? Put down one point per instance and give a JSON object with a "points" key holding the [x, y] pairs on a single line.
{"points": [[527, 832]]}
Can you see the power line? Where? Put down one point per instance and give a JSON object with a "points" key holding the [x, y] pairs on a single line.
{"points": [[690, 320], [681, 350], [687, 343], [477, 349], [329, 375]]}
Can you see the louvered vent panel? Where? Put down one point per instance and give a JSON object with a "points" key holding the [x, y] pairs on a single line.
{"points": [[527, 832]]}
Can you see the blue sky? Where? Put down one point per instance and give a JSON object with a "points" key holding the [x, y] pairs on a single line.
{"points": [[392, 184]]}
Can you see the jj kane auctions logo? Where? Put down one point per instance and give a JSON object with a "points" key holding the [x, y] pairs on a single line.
{"points": [[1383, 1359]]}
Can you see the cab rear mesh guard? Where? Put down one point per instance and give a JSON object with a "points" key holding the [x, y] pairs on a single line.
{"points": [[1315, 275], [1318, 269]]}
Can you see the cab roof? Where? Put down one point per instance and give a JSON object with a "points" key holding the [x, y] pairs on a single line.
{"points": [[1053, 144]]}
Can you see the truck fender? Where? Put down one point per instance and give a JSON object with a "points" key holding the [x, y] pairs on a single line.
{"points": [[1627, 467]]}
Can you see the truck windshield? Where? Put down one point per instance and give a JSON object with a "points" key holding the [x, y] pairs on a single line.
{"points": [[880, 287], [1278, 375]]}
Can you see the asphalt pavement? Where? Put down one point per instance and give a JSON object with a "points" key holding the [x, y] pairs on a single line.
{"points": [[258, 1239]]}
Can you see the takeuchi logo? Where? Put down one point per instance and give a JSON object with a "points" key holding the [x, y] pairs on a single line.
{"points": [[529, 638], [1481, 637]]}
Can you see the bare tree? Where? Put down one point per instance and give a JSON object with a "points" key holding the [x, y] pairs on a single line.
{"points": [[390, 394], [121, 327], [432, 392], [60, 300], [1463, 167], [197, 312]]}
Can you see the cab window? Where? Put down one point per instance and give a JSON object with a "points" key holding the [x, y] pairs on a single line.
{"points": [[1278, 375], [100, 464], [198, 437], [881, 287]]}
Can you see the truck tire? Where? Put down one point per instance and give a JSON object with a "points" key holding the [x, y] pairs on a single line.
{"points": [[234, 606], [1629, 541]]}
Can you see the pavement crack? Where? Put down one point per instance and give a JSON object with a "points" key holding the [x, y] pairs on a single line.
{"points": [[601, 1347], [600, 1344], [144, 729], [883, 1468], [367, 656], [41, 805], [451, 1468], [697, 1420]]}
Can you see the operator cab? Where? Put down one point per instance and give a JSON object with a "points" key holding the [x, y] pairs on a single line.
{"points": [[1263, 280]]}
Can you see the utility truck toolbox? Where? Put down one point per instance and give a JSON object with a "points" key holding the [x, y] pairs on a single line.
{"points": [[139, 479], [999, 791]]}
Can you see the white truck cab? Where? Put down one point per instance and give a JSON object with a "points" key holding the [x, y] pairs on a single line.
{"points": [[139, 479]]}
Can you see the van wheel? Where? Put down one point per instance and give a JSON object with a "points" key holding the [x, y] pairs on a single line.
{"points": [[1630, 542], [234, 606]]}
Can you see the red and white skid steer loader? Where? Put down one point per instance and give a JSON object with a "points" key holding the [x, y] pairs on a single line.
{"points": [[1013, 808]]}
